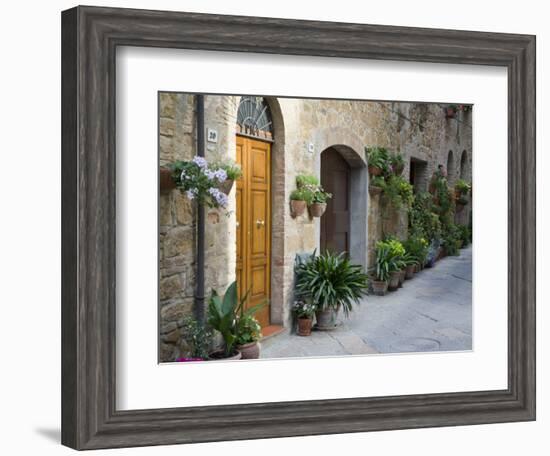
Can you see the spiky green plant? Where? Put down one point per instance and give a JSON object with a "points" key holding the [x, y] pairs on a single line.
{"points": [[331, 281]]}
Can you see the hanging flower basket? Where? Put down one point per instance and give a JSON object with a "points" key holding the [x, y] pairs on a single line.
{"points": [[297, 207], [317, 209], [374, 190], [375, 170], [226, 186], [204, 182], [166, 182]]}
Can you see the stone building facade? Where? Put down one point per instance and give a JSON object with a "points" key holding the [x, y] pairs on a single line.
{"points": [[302, 130]]}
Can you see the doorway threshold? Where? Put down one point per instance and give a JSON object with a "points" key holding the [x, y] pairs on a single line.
{"points": [[271, 331]]}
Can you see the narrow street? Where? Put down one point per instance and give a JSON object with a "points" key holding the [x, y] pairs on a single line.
{"points": [[432, 312]]}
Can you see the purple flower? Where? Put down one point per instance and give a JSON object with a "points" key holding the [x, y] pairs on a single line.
{"points": [[220, 175], [200, 161], [191, 193], [220, 197]]}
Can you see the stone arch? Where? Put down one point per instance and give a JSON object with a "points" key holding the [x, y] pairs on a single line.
{"points": [[451, 171], [278, 205], [351, 149]]}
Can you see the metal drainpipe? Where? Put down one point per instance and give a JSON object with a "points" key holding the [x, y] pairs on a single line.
{"points": [[199, 289]]}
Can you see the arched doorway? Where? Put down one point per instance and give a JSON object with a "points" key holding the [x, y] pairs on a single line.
{"points": [[335, 224], [253, 204]]}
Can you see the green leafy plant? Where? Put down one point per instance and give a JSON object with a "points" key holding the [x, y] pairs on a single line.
{"points": [[224, 314], [331, 281], [423, 221], [233, 170], [397, 163], [389, 258], [464, 233], [378, 181], [200, 181], [303, 309], [378, 157], [450, 237], [397, 191], [301, 194], [417, 247], [197, 336], [462, 187], [444, 197], [248, 330], [305, 180], [320, 196], [383, 265]]}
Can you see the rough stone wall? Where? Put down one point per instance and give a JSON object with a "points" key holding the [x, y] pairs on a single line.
{"points": [[418, 131]]}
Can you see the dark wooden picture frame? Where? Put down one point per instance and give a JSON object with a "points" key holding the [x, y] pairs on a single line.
{"points": [[90, 37]]}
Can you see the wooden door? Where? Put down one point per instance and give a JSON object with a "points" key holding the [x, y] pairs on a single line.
{"points": [[254, 224], [335, 223]]}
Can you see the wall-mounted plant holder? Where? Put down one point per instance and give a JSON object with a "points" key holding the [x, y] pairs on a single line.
{"points": [[166, 183]]}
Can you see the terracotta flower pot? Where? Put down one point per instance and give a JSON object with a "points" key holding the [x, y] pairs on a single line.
{"points": [[401, 277], [166, 183], [375, 170], [394, 281], [379, 287], [250, 350], [304, 326], [417, 268], [226, 186], [219, 355], [409, 271], [297, 207], [326, 319], [317, 209]]}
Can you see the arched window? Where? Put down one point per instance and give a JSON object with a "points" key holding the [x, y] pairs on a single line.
{"points": [[254, 118], [450, 166], [464, 165]]}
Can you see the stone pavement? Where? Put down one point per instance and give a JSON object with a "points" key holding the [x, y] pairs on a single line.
{"points": [[432, 312]]}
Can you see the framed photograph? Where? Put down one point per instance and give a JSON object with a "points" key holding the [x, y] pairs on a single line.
{"points": [[281, 228]]}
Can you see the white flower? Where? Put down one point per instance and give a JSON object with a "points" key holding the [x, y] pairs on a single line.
{"points": [[190, 194]]}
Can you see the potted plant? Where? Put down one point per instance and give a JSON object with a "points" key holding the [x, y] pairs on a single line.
{"points": [[200, 181], [249, 332], [304, 311], [416, 251], [377, 158], [382, 269], [318, 203], [376, 186], [298, 201], [397, 164], [462, 188], [198, 339], [410, 265], [397, 265], [223, 316], [332, 283], [307, 181]]}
